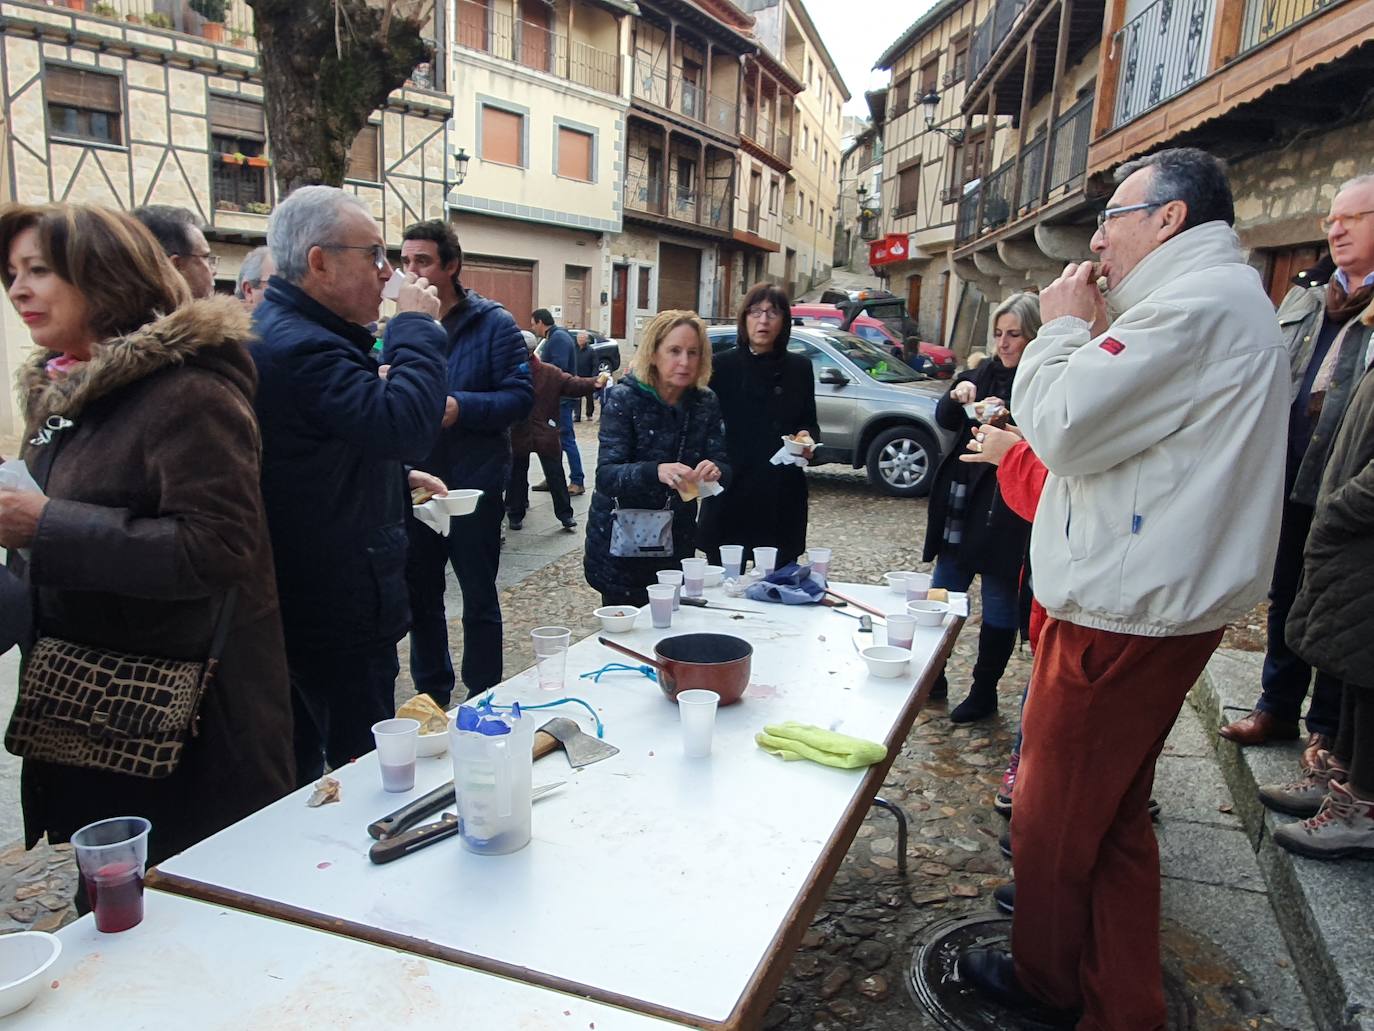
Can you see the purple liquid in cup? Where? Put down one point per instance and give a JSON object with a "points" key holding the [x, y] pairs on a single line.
{"points": [[661, 609], [693, 588], [398, 778], [116, 894]]}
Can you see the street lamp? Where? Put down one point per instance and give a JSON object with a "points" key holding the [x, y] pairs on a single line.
{"points": [[461, 159], [931, 102]]}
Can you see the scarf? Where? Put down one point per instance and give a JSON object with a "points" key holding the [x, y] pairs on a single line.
{"points": [[1341, 308]]}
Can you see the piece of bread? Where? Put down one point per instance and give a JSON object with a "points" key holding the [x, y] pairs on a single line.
{"points": [[432, 719], [803, 438], [420, 495], [937, 594], [689, 490]]}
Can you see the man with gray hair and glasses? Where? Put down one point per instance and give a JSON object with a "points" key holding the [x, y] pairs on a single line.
{"points": [[1159, 410], [335, 436], [256, 269]]}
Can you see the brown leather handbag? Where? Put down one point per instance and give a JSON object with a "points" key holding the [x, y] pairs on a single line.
{"points": [[104, 710]]}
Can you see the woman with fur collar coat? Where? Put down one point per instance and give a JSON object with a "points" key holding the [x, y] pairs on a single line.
{"points": [[140, 431]]}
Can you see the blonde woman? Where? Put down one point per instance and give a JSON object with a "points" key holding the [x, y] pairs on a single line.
{"points": [[661, 436]]}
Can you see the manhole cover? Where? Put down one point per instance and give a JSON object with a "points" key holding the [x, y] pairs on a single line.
{"points": [[956, 1006]]}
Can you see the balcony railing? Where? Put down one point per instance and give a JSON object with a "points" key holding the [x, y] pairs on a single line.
{"points": [[535, 46], [988, 35], [1164, 51], [754, 218], [1032, 168], [691, 99], [722, 114], [968, 215], [644, 193], [1265, 19], [1069, 152], [650, 84], [174, 15]]}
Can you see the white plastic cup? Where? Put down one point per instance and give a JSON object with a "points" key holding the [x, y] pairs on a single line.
{"points": [[661, 605], [765, 560], [732, 558], [820, 560], [698, 712], [396, 740], [674, 577], [693, 576], [551, 655], [901, 630], [917, 584]]}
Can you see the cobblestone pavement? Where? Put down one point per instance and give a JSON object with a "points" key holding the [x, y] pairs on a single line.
{"points": [[851, 967]]}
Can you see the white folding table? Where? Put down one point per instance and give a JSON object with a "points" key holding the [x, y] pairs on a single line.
{"points": [[677, 887]]}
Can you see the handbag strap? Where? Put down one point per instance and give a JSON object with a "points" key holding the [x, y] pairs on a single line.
{"points": [[226, 616]]}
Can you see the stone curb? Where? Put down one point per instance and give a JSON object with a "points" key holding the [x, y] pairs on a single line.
{"points": [[1318, 904]]}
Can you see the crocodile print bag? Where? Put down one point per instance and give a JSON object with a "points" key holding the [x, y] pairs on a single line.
{"points": [[103, 710]]}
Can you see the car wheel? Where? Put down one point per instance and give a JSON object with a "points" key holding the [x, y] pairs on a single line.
{"points": [[902, 462]]}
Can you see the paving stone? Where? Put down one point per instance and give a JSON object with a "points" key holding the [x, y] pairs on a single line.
{"points": [[871, 955], [834, 982], [873, 987]]}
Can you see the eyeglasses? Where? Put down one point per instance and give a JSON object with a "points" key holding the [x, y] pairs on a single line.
{"points": [[767, 314], [377, 251], [1107, 214], [210, 258], [1349, 221]]}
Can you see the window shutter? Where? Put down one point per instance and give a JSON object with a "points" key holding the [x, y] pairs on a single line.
{"points": [[574, 154], [72, 87], [501, 136], [234, 117], [364, 156]]}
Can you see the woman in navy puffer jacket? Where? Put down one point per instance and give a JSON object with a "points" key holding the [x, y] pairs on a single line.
{"points": [[661, 432]]}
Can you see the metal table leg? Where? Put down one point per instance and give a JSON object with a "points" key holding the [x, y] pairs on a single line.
{"points": [[883, 803]]}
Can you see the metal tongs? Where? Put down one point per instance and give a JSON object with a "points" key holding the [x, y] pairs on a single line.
{"points": [[395, 837]]}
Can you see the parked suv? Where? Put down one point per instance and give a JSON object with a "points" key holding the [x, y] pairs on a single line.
{"points": [[875, 412]]}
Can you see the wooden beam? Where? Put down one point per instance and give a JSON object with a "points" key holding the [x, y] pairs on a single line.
{"points": [[1109, 69], [1061, 56], [706, 92], [672, 65], [1027, 83], [989, 137], [1230, 18]]}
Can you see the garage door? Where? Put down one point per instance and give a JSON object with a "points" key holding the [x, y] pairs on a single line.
{"points": [[679, 277], [509, 282]]}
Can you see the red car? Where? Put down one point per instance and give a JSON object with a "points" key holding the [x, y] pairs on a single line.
{"points": [[941, 359]]}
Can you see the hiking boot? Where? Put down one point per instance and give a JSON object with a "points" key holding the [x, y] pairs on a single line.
{"points": [[1303, 797], [1315, 743], [992, 973], [541, 485], [1344, 826], [1002, 803]]}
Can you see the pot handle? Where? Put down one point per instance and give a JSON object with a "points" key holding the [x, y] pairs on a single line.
{"points": [[633, 654]]}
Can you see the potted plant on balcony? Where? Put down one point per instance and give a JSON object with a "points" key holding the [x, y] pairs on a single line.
{"points": [[236, 158], [258, 207], [158, 20], [105, 10], [257, 161], [212, 11], [75, 5], [227, 205]]}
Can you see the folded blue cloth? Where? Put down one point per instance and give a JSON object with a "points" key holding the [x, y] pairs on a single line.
{"points": [[790, 585]]}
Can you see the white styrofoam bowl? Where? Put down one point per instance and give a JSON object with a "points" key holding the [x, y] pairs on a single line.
{"points": [[24, 961], [886, 661], [617, 619], [432, 744], [927, 613], [459, 502], [896, 582]]}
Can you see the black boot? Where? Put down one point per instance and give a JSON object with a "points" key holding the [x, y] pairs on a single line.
{"points": [[995, 645], [939, 690]]}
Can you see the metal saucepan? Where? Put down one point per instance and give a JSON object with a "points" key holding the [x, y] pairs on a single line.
{"points": [[714, 662]]}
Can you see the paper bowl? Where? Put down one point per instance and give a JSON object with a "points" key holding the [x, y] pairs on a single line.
{"points": [[896, 582], [714, 575], [459, 502], [617, 619], [427, 745], [927, 613], [24, 961], [793, 448], [886, 661]]}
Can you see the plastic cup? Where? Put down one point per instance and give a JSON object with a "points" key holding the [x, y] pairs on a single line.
{"points": [[693, 576], [765, 559], [916, 586], [551, 655], [900, 631], [111, 855], [732, 558], [661, 605], [674, 577], [396, 740], [820, 560], [698, 712]]}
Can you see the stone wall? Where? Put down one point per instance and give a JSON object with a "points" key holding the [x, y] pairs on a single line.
{"points": [[1282, 193]]}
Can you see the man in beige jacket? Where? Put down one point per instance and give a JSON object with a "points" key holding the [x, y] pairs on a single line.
{"points": [[1160, 412]]}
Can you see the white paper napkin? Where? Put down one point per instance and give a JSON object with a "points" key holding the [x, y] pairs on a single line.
{"points": [[784, 457], [434, 515]]}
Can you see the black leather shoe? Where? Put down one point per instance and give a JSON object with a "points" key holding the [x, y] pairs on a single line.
{"points": [[1005, 897], [515, 524], [1004, 843], [992, 974], [939, 691], [570, 524]]}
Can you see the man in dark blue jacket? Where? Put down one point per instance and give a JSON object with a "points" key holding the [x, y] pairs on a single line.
{"points": [[334, 437], [489, 390], [559, 349]]}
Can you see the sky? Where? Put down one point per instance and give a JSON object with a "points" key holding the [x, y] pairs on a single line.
{"points": [[855, 42]]}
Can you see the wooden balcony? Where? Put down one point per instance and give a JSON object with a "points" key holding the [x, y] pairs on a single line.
{"points": [[536, 46]]}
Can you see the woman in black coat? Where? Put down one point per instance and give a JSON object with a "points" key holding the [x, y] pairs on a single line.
{"points": [[971, 532], [765, 393], [660, 434]]}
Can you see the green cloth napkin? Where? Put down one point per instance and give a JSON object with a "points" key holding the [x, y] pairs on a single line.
{"points": [[792, 741]]}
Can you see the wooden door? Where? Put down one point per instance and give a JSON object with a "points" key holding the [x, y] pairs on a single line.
{"points": [[1287, 263], [913, 298], [535, 37], [511, 283], [620, 290], [575, 297]]}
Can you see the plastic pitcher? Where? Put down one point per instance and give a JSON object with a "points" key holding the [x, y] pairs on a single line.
{"points": [[492, 775]]}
